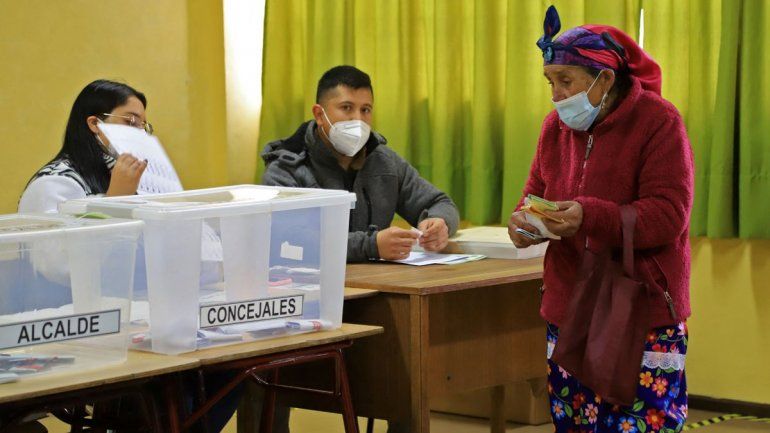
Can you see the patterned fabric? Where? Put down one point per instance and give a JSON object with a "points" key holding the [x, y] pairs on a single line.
{"points": [[661, 402], [63, 167], [599, 47], [577, 46]]}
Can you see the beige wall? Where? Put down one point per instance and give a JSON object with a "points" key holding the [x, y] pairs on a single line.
{"points": [[172, 50], [729, 349]]}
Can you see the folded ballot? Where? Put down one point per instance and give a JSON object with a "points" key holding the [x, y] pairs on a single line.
{"points": [[422, 258], [309, 325], [535, 211]]}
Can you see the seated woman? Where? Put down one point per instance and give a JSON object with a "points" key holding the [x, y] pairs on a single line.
{"points": [[85, 165], [88, 165]]}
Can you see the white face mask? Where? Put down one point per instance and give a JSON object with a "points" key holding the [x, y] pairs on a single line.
{"points": [[347, 136], [577, 111]]}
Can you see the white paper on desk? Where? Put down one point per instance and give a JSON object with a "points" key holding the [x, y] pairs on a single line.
{"points": [[494, 243], [417, 258]]}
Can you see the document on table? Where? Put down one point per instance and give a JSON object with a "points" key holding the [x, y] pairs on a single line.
{"points": [[419, 258]]}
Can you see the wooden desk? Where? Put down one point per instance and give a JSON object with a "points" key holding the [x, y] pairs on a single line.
{"points": [[249, 360], [47, 392], [139, 365], [434, 279], [353, 293], [55, 390], [448, 329], [234, 352]]}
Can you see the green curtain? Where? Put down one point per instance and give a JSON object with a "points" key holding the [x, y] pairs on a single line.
{"points": [[690, 79], [754, 135], [715, 68], [458, 85]]}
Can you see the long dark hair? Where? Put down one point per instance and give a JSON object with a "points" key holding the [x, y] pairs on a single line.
{"points": [[81, 147]]}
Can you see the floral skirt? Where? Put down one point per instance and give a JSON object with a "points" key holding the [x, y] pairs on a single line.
{"points": [[661, 397]]}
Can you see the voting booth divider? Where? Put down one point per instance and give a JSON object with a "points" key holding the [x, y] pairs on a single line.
{"points": [[232, 264], [65, 285]]}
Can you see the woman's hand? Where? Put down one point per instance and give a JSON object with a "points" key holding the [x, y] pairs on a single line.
{"points": [[126, 175], [571, 212], [517, 221]]}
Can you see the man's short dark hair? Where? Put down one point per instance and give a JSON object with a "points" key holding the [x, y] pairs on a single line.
{"points": [[345, 75]]}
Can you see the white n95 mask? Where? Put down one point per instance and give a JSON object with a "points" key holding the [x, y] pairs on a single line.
{"points": [[577, 111], [347, 136]]}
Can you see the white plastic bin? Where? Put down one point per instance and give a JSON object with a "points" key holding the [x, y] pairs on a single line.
{"points": [[65, 286], [236, 263]]}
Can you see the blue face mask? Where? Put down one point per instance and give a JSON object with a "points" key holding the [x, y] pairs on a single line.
{"points": [[577, 111]]}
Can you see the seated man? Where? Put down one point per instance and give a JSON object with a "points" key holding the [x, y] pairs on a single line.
{"points": [[338, 150]]}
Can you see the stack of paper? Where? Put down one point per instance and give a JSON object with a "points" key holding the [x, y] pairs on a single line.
{"points": [[534, 208], [494, 243]]}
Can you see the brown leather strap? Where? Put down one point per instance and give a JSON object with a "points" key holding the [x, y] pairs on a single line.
{"points": [[628, 219]]}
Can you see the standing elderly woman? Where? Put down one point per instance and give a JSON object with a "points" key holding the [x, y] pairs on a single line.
{"points": [[613, 141]]}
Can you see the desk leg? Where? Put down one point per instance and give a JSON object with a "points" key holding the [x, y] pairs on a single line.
{"points": [[249, 416], [268, 407], [172, 390], [497, 417], [348, 414], [420, 327]]}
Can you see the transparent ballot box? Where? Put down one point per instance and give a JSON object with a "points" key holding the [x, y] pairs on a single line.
{"points": [[235, 263], [65, 286]]}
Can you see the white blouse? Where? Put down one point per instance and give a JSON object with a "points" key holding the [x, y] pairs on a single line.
{"points": [[45, 193]]}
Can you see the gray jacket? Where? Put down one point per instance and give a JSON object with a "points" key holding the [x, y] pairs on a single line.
{"points": [[385, 185]]}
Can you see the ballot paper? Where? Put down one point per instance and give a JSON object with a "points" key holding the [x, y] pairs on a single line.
{"points": [[8, 377], [418, 258], [13, 366], [309, 325], [216, 335], [534, 208], [254, 327], [159, 176], [538, 224]]}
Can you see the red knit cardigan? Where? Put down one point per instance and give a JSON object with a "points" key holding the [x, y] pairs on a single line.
{"points": [[641, 155]]}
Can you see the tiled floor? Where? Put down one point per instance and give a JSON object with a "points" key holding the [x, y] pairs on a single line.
{"points": [[304, 421]]}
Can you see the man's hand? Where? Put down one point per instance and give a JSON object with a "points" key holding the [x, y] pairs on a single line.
{"points": [[435, 234], [517, 221], [572, 214], [395, 243], [126, 175]]}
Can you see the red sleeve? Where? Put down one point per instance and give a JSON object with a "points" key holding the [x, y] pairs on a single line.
{"points": [[535, 184], [665, 198]]}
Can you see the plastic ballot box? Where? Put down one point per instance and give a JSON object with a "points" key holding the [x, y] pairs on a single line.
{"points": [[65, 285], [237, 263]]}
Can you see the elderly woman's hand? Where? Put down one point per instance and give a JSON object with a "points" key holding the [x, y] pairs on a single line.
{"points": [[519, 240], [571, 212]]}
